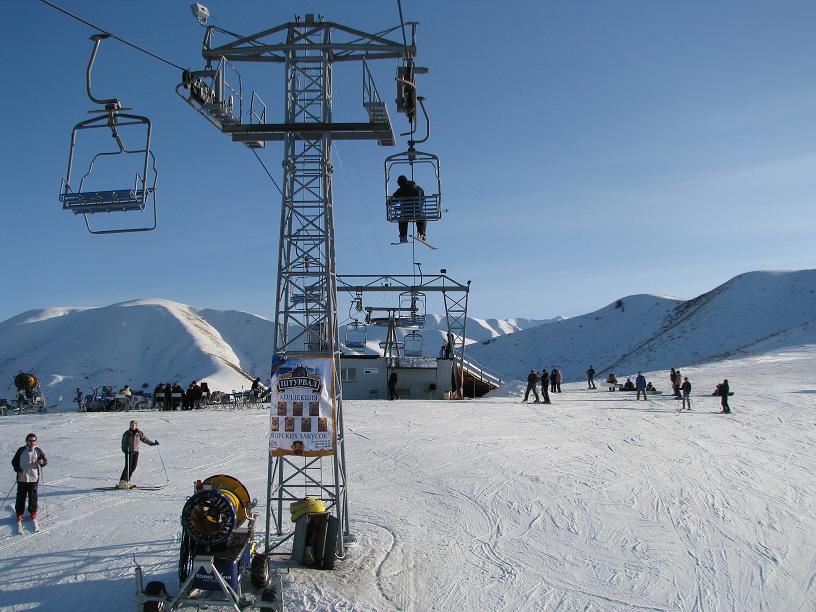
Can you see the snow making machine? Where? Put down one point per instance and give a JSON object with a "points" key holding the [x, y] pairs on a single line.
{"points": [[217, 555]]}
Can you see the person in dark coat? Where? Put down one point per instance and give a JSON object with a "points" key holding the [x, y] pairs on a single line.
{"points": [[725, 389], [553, 372], [591, 378], [176, 388], [640, 385], [532, 379], [168, 396], [158, 396], [130, 446], [686, 389], [545, 384], [28, 462], [392, 386], [410, 207], [255, 390]]}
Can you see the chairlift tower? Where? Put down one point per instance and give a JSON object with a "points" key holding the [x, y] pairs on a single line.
{"points": [[306, 321]]}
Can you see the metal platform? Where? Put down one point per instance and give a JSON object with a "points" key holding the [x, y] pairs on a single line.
{"points": [[117, 200]]}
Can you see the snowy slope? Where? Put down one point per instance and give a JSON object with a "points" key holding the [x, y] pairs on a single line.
{"points": [[597, 502], [143, 341], [645, 332]]}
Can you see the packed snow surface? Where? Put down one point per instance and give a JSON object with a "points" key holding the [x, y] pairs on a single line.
{"points": [[596, 502]]}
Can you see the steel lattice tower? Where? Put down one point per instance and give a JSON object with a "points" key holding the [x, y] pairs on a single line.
{"points": [[306, 305]]}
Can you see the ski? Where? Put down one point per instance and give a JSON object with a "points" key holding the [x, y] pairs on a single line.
{"points": [[425, 242], [139, 487], [398, 243]]}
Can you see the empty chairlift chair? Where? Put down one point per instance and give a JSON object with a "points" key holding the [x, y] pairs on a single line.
{"points": [[78, 193], [412, 344], [356, 335]]}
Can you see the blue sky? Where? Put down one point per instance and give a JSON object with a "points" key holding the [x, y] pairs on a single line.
{"points": [[590, 150]]}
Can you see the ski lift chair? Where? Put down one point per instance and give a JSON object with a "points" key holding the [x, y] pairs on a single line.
{"points": [[78, 197], [356, 334], [412, 344], [425, 208], [412, 309]]}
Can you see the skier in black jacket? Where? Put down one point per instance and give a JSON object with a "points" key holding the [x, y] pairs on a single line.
{"points": [[545, 383], [532, 379], [724, 390], [28, 462]]}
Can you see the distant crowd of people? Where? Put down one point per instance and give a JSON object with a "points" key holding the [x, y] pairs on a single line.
{"points": [[681, 386], [165, 396]]}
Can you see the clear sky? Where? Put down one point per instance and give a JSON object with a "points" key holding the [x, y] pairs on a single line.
{"points": [[590, 150]]}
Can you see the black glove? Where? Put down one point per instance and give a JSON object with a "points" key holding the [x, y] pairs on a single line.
{"points": [[157, 443]]}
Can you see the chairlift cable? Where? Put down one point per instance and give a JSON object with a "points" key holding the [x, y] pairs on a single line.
{"points": [[111, 34], [269, 174], [402, 27]]}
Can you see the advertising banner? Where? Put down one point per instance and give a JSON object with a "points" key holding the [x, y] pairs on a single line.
{"points": [[302, 410]]}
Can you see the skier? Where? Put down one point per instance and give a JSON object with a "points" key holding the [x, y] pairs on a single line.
{"points": [[28, 462], [545, 383], [686, 389], [628, 385], [640, 385], [130, 446], [558, 377], [678, 380], [409, 198], [591, 378], [532, 379], [79, 398], [392, 386], [724, 390]]}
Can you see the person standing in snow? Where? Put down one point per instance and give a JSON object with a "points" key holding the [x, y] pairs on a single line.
{"points": [[673, 378], [686, 389], [545, 383], [392, 386], [130, 446], [28, 462], [591, 378], [557, 377], [79, 398], [725, 389], [532, 379], [678, 380], [640, 385], [553, 372]]}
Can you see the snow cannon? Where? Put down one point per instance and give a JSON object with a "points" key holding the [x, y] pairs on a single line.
{"points": [[25, 381], [220, 505], [217, 554]]}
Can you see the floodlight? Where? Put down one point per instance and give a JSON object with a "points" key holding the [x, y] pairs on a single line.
{"points": [[200, 12]]}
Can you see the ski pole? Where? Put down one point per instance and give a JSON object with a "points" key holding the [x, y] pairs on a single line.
{"points": [[9, 493], [166, 477], [45, 492]]}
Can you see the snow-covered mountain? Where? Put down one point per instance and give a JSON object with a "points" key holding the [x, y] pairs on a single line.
{"points": [[149, 341], [154, 340], [750, 314]]}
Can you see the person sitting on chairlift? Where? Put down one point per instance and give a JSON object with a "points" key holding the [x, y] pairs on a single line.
{"points": [[409, 189]]}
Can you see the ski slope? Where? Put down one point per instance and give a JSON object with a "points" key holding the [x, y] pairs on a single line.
{"points": [[597, 502]]}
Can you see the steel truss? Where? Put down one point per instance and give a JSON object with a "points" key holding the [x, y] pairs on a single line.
{"points": [[306, 305], [455, 296]]}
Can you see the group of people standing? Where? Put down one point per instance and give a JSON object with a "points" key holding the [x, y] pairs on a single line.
{"points": [[550, 383], [681, 386], [187, 399]]}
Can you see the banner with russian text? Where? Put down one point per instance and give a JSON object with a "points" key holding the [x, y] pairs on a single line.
{"points": [[302, 410]]}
